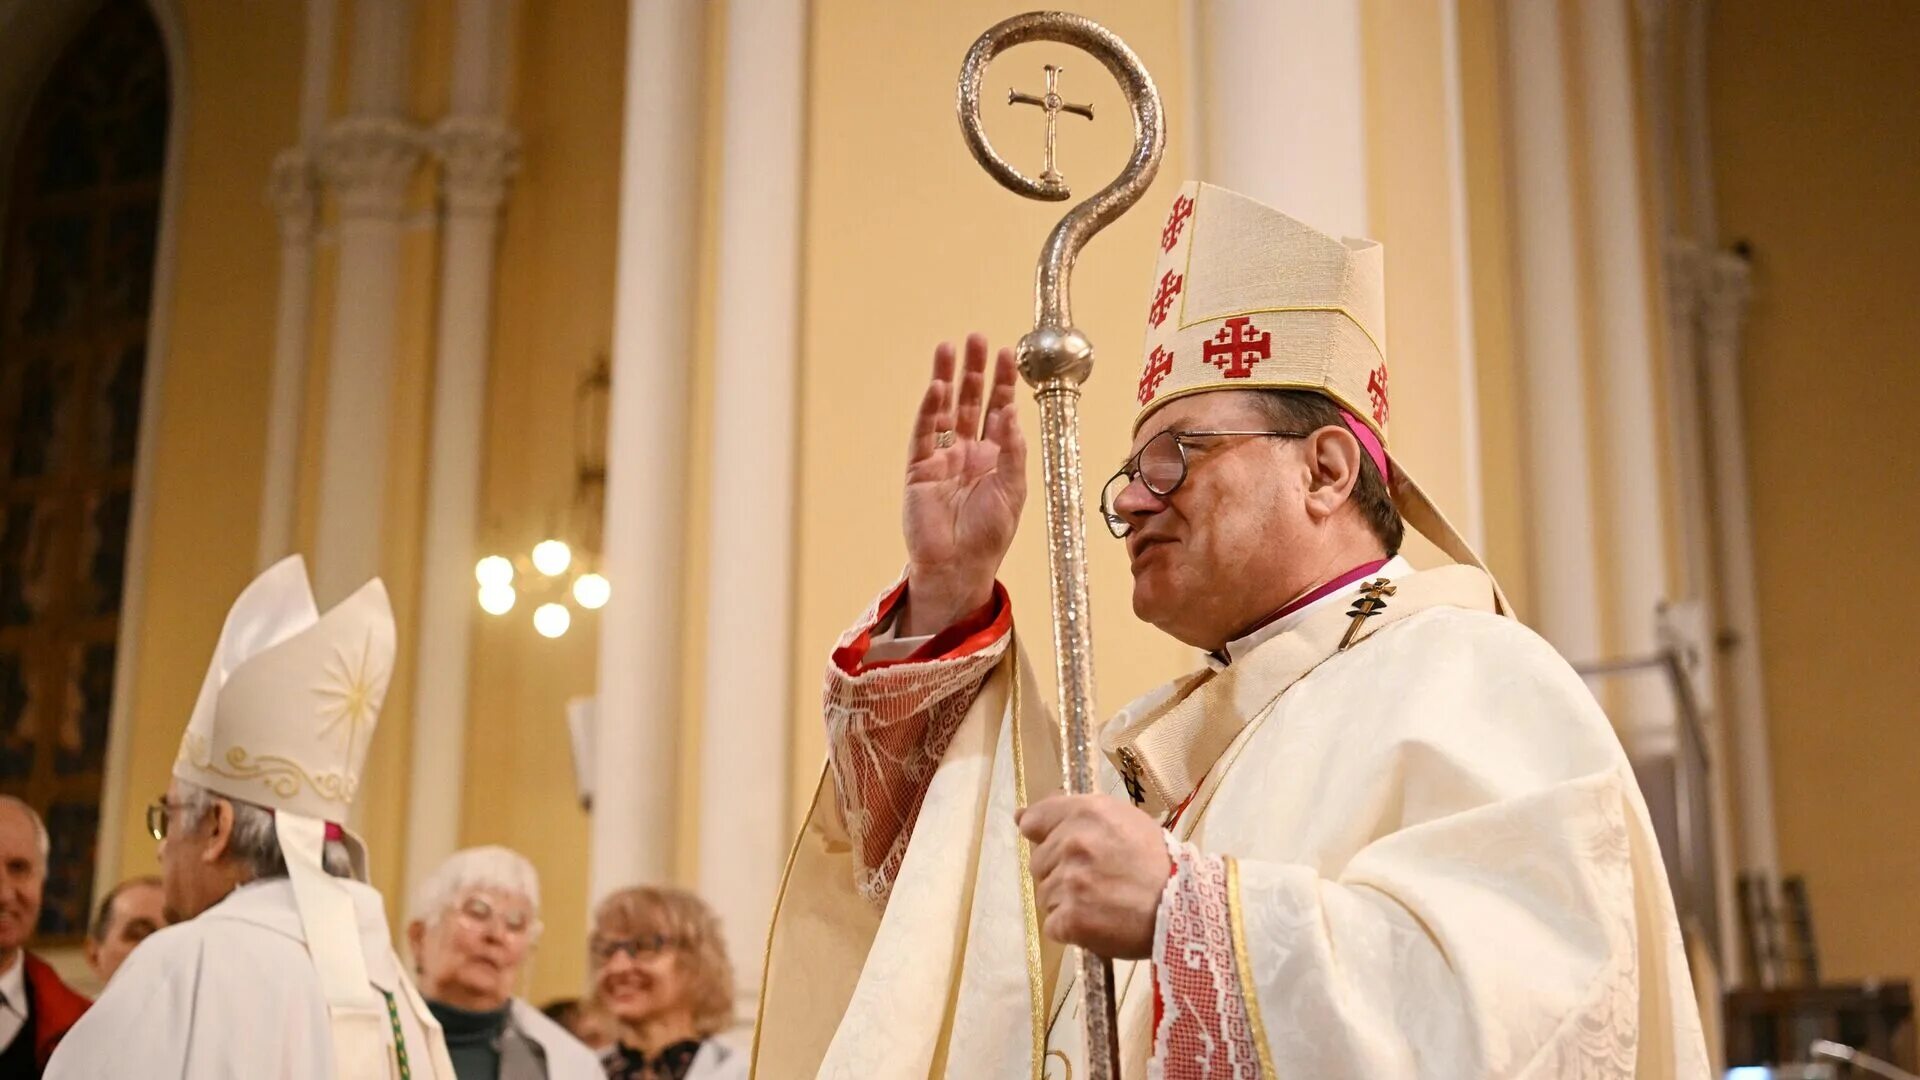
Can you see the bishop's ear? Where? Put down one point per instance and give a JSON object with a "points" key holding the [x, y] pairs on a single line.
{"points": [[218, 821], [1333, 468]]}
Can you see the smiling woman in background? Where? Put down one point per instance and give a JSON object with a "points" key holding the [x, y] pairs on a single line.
{"points": [[660, 968], [474, 923]]}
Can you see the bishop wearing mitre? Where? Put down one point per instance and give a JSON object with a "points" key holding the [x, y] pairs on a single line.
{"points": [[1384, 831], [279, 963]]}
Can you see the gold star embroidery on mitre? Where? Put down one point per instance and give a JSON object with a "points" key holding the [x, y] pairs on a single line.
{"points": [[354, 692]]}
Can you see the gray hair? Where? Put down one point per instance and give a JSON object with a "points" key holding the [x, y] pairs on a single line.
{"points": [[492, 867], [39, 825], [255, 843]]}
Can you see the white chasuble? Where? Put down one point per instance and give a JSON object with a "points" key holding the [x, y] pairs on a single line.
{"points": [[1424, 855], [232, 994]]}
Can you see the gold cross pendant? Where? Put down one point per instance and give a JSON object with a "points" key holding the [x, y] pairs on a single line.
{"points": [[1371, 601]]}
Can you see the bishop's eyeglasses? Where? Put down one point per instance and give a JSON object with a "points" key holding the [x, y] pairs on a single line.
{"points": [[158, 811], [1162, 466]]}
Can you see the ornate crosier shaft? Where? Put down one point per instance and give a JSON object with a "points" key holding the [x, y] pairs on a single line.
{"points": [[1055, 358]]}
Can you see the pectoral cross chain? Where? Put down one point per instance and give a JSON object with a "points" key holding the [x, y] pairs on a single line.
{"points": [[1371, 601], [1054, 105]]}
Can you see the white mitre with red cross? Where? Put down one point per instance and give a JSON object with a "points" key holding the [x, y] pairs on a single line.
{"points": [[1245, 297]]}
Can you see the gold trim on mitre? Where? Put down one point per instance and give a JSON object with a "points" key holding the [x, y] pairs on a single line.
{"points": [[282, 776]]}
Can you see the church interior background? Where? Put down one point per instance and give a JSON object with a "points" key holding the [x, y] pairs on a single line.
{"points": [[402, 284]]}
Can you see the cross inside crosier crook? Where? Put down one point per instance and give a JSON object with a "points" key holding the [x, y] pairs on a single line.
{"points": [[1055, 358]]}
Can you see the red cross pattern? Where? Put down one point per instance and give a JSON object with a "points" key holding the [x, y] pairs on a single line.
{"points": [[1182, 210], [1237, 347], [1377, 390], [1159, 366], [1164, 296]]}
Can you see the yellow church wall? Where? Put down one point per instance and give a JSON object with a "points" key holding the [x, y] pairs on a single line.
{"points": [[907, 242], [1815, 128], [554, 317], [1505, 535], [1410, 210], [240, 92], [695, 563]]}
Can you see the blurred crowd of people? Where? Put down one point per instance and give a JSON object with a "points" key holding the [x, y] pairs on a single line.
{"points": [[659, 993]]}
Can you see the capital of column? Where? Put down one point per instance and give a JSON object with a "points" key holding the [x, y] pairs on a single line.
{"points": [[292, 188], [367, 161], [1728, 289], [479, 156]]}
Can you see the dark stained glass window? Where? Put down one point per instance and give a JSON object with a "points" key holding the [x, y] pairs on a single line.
{"points": [[76, 281]]}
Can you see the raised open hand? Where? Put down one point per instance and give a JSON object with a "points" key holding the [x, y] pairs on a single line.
{"points": [[963, 498]]}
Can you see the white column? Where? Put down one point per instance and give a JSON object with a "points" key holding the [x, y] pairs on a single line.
{"points": [[1635, 529], [1725, 309], [1281, 98], [639, 688], [1559, 480], [292, 189], [743, 759], [1471, 519], [367, 158], [478, 153]]}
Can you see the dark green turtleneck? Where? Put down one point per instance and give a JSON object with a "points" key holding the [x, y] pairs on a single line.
{"points": [[473, 1039]]}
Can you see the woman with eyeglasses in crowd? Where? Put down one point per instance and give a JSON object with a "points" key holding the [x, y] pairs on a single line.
{"points": [[473, 926], [660, 969]]}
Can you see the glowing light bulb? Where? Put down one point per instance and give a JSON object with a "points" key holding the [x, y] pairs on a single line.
{"points": [[591, 591], [552, 557], [552, 620], [494, 570], [497, 599]]}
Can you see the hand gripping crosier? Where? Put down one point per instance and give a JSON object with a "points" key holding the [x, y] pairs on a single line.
{"points": [[1055, 358]]}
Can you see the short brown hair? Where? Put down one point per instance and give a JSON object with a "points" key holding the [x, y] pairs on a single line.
{"points": [[1304, 410], [691, 925], [103, 917]]}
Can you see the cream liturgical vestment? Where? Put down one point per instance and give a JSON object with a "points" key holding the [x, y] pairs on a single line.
{"points": [[1404, 839], [291, 977]]}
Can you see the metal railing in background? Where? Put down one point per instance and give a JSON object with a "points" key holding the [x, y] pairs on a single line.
{"points": [[1678, 794]]}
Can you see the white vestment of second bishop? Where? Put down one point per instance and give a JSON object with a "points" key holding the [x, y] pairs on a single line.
{"points": [[231, 994]]}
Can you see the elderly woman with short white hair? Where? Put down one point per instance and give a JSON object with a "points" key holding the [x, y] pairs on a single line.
{"points": [[474, 923]]}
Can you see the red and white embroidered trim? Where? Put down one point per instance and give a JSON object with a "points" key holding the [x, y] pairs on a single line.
{"points": [[887, 729], [1203, 1028]]}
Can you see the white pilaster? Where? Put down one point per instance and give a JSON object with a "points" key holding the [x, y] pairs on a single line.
{"points": [[478, 153], [1282, 107], [367, 158], [1471, 518], [1725, 310], [639, 687], [1559, 479], [1635, 529], [293, 189], [743, 760]]}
